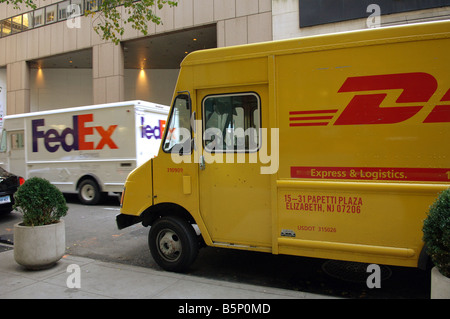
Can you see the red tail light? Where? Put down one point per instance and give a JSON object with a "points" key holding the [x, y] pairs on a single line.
{"points": [[21, 180]]}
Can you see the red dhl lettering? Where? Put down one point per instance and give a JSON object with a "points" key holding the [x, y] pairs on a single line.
{"points": [[417, 88]]}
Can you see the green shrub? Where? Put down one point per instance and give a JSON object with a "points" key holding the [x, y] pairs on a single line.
{"points": [[436, 232], [40, 202]]}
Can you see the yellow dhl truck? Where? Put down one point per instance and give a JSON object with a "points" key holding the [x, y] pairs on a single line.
{"points": [[329, 146]]}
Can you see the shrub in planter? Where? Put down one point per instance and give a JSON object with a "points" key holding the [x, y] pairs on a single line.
{"points": [[40, 202], [436, 233], [39, 241]]}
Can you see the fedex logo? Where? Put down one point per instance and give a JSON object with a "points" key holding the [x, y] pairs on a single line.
{"points": [[417, 89], [53, 140], [148, 131]]}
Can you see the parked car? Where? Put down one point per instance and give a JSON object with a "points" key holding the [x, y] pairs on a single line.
{"points": [[9, 183]]}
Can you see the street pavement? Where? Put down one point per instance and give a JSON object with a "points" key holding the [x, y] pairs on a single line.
{"points": [[92, 279]]}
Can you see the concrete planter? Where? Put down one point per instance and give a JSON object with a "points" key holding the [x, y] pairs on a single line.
{"points": [[39, 247], [440, 285]]}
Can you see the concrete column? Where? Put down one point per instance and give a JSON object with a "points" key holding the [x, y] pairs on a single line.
{"points": [[18, 85], [108, 73]]}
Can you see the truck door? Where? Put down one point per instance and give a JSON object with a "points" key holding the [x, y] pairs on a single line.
{"points": [[234, 195]]}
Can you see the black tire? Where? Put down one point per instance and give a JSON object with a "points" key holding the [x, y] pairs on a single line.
{"points": [[89, 192], [173, 244]]}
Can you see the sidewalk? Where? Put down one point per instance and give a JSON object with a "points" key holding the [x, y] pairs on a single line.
{"points": [[102, 280]]}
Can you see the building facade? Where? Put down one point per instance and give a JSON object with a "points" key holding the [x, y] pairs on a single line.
{"points": [[51, 58]]}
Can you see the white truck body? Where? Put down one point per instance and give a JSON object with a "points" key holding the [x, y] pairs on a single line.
{"points": [[100, 143]]}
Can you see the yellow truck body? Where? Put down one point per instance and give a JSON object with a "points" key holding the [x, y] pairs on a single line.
{"points": [[345, 148]]}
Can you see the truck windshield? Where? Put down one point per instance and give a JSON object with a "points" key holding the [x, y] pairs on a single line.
{"points": [[178, 132]]}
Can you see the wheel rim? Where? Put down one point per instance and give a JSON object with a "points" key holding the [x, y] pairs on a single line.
{"points": [[169, 245], [87, 192]]}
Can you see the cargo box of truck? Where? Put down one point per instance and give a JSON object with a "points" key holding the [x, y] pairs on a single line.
{"points": [[88, 150]]}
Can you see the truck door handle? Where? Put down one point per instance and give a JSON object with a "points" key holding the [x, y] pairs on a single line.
{"points": [[202, 163]]}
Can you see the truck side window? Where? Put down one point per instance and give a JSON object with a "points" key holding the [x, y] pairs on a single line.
{"points": [[17, 141], [178, 132], [3, 141], [231, 122]]}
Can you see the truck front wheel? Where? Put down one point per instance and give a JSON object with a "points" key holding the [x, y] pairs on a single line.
{"points": [[173, 243]]}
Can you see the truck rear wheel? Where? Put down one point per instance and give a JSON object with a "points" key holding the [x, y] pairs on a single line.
{"points": [[89, 192], [173, 243]]}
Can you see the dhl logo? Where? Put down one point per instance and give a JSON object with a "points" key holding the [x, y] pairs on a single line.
{"points": [[418, 88]]}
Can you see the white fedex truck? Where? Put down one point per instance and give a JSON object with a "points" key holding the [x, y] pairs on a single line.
{"points": [[88, 150]]}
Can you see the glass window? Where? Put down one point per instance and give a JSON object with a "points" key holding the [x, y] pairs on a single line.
{"points": [[92, 5], [38, 18], [178, 132], [62, 10], [16, 25], [6, 27], [231, 122], [17, 141], [50, 14], [27, 20], [3, 141], [80, 9]]}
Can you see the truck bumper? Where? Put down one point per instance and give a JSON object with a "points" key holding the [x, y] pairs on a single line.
{"points": [[124, 221]]}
